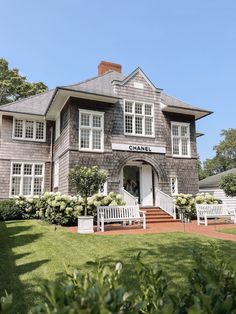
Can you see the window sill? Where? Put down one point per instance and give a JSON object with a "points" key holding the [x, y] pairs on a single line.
{"points": [[29, 140], [183, 157], [139, 135], [91, 150]]}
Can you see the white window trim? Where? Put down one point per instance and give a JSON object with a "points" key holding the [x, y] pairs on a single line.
{"points": [[56, 174], [176, 186], [23, 138], [143, 115], [22, 176], [97, 113], [180, 148]]}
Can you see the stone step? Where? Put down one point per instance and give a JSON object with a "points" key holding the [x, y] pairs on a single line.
{"points": [[152, 221]]}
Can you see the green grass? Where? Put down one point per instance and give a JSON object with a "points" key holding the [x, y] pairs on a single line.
{"points": [[230, 231], [32, 251]]}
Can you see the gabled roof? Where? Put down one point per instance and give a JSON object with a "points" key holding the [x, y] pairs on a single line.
{"points": [[214, 181], [98, 86]]}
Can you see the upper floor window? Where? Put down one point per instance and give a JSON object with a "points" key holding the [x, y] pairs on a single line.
{"points": [[180, 139], [31, 130], [91, 130], [26, 178], [138, 118]]}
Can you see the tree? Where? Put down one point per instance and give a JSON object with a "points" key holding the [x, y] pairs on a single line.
{"points": [[87, 181], [14, 87], [225, 157], [228, 184]]}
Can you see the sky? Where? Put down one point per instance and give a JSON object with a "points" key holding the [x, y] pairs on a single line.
{"points": [[186, 47]]}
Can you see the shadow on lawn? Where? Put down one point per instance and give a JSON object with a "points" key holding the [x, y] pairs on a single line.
{"points": [[176, 258], [10, 270]]}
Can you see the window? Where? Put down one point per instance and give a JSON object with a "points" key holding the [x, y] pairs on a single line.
{"points": [[138, 118], [24, 129], [174, 186], [56, 173], [26, 179], [91, 130], [180, 139]]}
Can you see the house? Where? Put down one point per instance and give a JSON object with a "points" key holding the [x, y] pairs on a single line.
{"points": [[144, 138], [211, 185]]}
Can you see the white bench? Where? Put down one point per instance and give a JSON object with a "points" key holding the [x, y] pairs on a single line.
{"points": [[214, 211], [119, 214]]}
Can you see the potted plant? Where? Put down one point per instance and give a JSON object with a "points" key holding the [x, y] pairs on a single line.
{"points": [[86, 182]]}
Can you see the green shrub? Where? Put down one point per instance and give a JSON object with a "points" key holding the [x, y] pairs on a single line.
{"points": [[228, 184], [205, 198], [6, 304], [9, 210], [212, 289]]}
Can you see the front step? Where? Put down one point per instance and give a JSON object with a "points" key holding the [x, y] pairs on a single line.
{"points": [[157, 215]]}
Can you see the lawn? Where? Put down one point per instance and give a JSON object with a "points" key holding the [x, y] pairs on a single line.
{"points": [[32, 251], [230, 231]]}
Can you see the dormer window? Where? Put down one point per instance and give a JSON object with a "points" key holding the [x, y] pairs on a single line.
{"points": [[139, 118], [29, 130]]}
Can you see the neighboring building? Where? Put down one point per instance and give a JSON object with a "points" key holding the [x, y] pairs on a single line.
{"points": [[211, 185], [143, 138]]}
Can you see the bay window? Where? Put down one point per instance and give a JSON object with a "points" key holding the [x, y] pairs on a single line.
{"points": [[91, 130], [138, 118], [180, 135], [26, 178]]}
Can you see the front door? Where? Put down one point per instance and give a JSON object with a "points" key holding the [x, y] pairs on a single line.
{"points": [[147, 186]]}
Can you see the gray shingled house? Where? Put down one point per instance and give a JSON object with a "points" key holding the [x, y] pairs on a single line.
{"points": [[143, 138]]}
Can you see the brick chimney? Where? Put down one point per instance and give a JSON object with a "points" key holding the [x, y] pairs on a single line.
{"points": [[105, 66]]}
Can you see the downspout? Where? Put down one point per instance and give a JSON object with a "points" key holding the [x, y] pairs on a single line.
{"points": [[51, 158]]}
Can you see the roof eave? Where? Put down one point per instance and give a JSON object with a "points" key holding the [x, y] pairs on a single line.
{"points": [[197, 113]]}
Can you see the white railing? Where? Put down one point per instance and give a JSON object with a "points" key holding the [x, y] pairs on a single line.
{"points": [[165, 202], [128, 198]]}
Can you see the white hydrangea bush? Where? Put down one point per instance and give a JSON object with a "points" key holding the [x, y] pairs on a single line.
{"points": [[62, 209]]}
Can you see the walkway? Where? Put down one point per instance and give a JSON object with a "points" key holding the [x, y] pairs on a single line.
{"points": [[210, 230]]}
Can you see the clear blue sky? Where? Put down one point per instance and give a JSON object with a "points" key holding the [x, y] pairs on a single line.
{"points": [[186, 47]]}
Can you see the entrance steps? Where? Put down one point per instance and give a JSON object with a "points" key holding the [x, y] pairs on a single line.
{"points": [[157, 215]]}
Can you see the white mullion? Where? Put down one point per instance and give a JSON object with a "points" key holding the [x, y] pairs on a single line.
{"points": [[32, 181], [21, 178], [23, 128], [90, 131]]}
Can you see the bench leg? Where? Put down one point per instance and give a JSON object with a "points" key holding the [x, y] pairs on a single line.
{"points": [[98, 223], [102, 224], [198, 220], [144, 221], [205, 220]]}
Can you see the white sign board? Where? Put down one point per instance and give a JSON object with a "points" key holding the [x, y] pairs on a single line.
{"points": [[139, 148]]}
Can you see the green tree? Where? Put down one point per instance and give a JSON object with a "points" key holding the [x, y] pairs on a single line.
{"points": [[14, 87], [225, 157], [228, 184], [87, 181]]}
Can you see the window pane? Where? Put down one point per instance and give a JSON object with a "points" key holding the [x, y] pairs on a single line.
{"points": [[97, 139], [148, 126], [27, 169], [97, 121], [174, 189], [175, 130], [85, 119], [184, 147], [148, 110], [184, 130], [18, 128], [39, 130], [138, 108], [29, 129], [27, 185], [15, 186], [128, 124], [84, 138], [38, 170], [128, 107], [38, 186], [16, 169], [175, 146], [138, 125]]}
